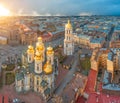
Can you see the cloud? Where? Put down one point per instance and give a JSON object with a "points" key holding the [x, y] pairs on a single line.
{"points": [[20, 12], [63, 7], [85, 14]]}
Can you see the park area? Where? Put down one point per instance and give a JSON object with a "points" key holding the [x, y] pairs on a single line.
{"points": [[86, 65], [10, 78], [10, 67]]}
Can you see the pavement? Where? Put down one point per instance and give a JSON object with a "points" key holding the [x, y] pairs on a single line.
{"points": [[68, 76], [109, 36]]}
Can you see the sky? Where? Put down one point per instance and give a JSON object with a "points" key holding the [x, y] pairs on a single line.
{"points": [[62, 7]]}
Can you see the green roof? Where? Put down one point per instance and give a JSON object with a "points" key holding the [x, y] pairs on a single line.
{"points": [[47, 91], [44, 83], [19, 76]]}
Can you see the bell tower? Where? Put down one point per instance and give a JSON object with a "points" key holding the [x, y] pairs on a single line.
{"points": [[68, 41]]}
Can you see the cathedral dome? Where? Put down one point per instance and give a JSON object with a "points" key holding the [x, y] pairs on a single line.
{"points": [[50, 50], [30, 49], [40, 47], [68, 25], [38, 56], [39, 39], [47, 68], [39, 44]]}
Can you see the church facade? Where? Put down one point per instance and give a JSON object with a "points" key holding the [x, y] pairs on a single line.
{"points": [[38, 70]]}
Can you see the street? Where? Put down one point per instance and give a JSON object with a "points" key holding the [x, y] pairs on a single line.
{"points": [[109, 36], [68, 77]]}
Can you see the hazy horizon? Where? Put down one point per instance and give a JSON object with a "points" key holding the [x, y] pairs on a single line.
{"points": [[62, 7]]}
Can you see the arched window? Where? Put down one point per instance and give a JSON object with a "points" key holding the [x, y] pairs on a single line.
{"points": [[37, 82], [37, 67], [29, 58]]}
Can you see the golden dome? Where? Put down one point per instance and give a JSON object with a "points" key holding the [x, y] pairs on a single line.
{"points": [[30, 49], [47, 68], [40, 47], [68, 25], [39, 39], [38, 56], [50, 50]]}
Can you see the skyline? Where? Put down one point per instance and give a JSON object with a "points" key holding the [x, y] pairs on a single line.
{"points": [[62, 7]]}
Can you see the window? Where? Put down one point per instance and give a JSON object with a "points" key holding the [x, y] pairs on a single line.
{"points": [[37, 67], [37, 82], [29, 58], [22, 82]]}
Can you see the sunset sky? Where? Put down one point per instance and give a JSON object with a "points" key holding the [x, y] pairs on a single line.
{"points": [[62, 7]]}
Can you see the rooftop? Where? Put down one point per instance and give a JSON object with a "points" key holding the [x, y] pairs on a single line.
{"points": [[90, 86], [83, 36], [102, 98], [97, 40], [110, 56]]}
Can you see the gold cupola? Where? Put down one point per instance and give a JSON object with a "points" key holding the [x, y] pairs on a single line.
{"points": [[39, 39], [38, 56], [47, 68], [30, 49], [39, 44], [50, 50], [40, 47], [68, 25]]}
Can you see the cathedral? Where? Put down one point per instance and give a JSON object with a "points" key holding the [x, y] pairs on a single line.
{"points": [[69, 39], [39, 70]]}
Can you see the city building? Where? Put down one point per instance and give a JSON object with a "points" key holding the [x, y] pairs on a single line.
{"points": [[38, 70], [82, 39], [86, 40], [115, 40], [97, 43], [106, 58], [27, 35], [3, 40]]}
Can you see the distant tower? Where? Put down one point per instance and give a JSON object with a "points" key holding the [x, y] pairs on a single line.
{"points": [[30, 54], [38, 62], [40, 47], [50, 55], [68, 41]]}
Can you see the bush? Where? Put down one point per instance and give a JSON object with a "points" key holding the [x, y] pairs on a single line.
{"points": [[10, 67], [10, 78], [1, 79], [86, 64]]}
